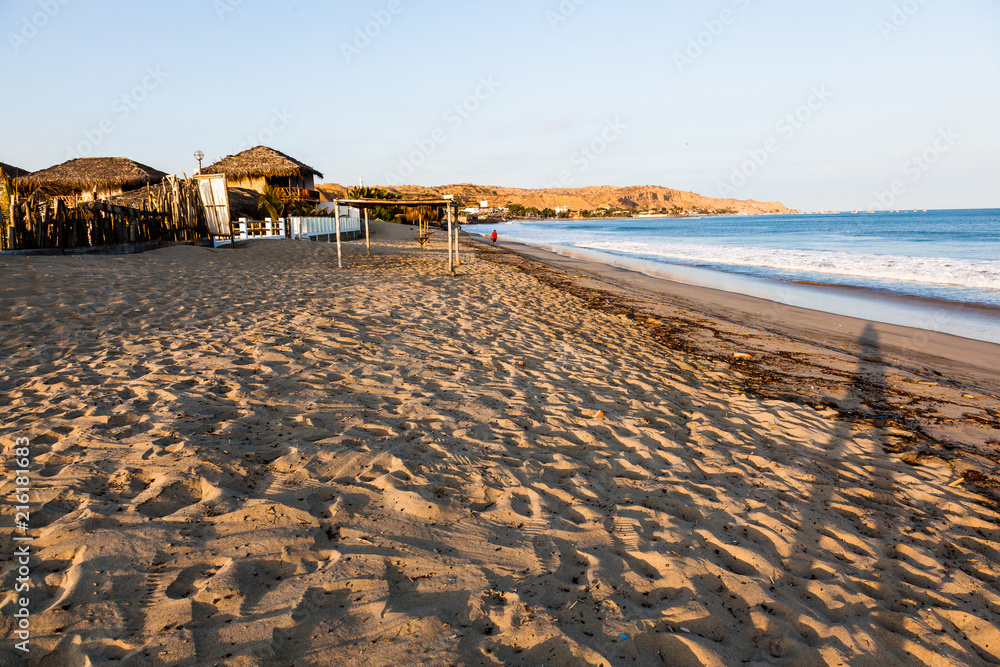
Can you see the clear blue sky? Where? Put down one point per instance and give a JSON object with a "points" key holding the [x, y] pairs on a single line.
{"points": [[887, 79]]}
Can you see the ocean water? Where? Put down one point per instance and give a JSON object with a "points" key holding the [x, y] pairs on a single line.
{"points": [[948, 258]]}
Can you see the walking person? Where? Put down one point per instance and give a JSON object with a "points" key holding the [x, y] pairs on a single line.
{"points": [[494, 237]]}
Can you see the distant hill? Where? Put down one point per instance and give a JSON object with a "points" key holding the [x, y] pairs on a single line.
{"points": [[634, 198]]}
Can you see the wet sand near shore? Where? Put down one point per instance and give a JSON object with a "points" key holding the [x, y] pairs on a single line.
{"points": [[248, 457]]}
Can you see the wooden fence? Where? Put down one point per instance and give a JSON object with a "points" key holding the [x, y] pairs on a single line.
{"points": [[169, 212], [312, 229], [325, 228]]}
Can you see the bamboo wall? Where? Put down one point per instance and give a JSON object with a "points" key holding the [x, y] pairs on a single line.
{"points": [[168, 212]]}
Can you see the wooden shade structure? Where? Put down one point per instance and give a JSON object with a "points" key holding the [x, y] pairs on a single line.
{"points": [[366, 204]]}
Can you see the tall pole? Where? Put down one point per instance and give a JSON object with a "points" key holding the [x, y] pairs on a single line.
{"points": [[451, 262], [368, 237], [458, 261], [340, 257]]}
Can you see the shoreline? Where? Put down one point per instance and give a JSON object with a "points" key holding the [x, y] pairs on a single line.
{"points": [[793, 321], [978, 322]]}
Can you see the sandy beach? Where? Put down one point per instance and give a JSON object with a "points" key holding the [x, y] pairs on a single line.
{"points": [[247, 457]]}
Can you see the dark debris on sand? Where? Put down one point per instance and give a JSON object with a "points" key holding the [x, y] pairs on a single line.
{"points": [[920, 421]]}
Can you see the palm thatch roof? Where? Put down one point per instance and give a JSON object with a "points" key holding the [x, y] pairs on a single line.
{"points": [[260, 162], [93, 172], [11, 171], [131, 199], [243, 203]]}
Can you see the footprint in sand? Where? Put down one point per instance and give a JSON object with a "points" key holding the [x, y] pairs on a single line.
{"points": [[521, 505], [169, 499], [128, 482], [626, 530], [194, 578], [54, 464], [66, 569], [53, 510], [258, 578]]}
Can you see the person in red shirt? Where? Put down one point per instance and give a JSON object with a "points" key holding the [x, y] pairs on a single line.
{"points": [[494, 237]]}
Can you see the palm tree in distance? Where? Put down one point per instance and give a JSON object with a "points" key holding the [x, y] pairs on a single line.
{"points": [[270, 204], [387, 213]]}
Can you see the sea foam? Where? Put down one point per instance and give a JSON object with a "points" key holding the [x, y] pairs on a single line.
{"points": [[973, 274]]}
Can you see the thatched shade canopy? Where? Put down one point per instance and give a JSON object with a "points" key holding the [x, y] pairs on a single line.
{"points": [[93, 173], [11, 171], [261, 162]]}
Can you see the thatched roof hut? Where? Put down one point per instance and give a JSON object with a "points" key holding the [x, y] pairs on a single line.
{"points": [[92, 177], [11, 171], [261, 167]]}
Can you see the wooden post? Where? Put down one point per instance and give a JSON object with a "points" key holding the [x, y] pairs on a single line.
{"points": [[42, 228], [368, 236], [175, 206], [451, 217], [336, 213], [190, 231], [451, 261], [11, 235]]}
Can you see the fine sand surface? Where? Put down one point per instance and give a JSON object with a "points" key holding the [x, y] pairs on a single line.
{"points": [[248, 457], [938, 391]]}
